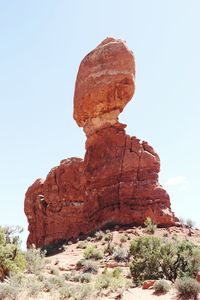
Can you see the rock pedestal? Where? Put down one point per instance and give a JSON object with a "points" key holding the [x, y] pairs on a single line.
{"points": [[118, 179]]}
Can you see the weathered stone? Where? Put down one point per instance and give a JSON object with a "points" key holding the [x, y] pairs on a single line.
{"points": [[117, 182]]}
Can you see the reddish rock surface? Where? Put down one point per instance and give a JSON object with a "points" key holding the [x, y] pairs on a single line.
{"points": [[148, 284], [118, 179]]}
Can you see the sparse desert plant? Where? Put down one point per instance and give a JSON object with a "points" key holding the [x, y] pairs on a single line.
{"points": [[12, 286], [65, 291], [88, 266], [120, 254], [82, 292], [33, 287], [123, 238], [110, 248], [91, 252], [54, 270], [108, 236], [85, 277], [161, 286], [150, 226], [108, 279], [117, 272], [55, 281], [187, 288], [81, 245], [99, 235], [35, 260]]}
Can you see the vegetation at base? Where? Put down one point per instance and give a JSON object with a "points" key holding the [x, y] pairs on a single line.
{"points": [[112, 279], [161, 286], [12, 259], [91, 252], [187, 288], [150, 226], [156, 258]]}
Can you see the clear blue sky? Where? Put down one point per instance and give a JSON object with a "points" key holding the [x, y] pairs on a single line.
{"points": [[41, 45]]}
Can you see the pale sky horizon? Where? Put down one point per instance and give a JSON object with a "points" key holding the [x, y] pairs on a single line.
{"points": [[42, 45]]}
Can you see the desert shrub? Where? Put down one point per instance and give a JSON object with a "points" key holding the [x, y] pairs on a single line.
{"points": [[85, 277], [108, 236], [154, 258], [108, 279], [33, 287], [11, 257], [65, 291], [35, 260], [82, 291], [150, 226], [187, 288], [55, 282], [123, 238], [88, 266], [161, 286], [120, 254], [92, 252], [54, 270], [110, 248], [117, 272], [81, 245], [89, 238], [13, 286], [99, 235]]}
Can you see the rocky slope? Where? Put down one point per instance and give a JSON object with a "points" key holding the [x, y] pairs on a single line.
{"points": [[117, 182]]}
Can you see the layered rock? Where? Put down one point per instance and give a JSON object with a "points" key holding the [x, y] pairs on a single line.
{"points": [[118, 179]]}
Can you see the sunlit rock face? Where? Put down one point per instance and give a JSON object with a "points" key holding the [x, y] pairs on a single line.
{"points": [[118, 179]]}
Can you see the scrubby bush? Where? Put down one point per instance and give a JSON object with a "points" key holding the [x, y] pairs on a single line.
{"points": [[99, 235], [161, 286], [110, 248], [92, 252], [154, 258], [187, 288], [120, 254], [108, 279], [81, 245], [123, 238], [11, 257], [35, 260], [54, 270], [88, 266], [150, 226]]}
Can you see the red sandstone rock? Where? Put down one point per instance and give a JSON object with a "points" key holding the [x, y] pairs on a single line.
{"points": [[104, 84], [198, 277], [148, 284], [118, 179]]}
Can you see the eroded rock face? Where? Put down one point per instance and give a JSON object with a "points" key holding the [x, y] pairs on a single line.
{"points": [[105, 84], [118, 179]]}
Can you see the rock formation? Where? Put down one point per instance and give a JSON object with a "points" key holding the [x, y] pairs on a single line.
{"points": [[118, 179]]}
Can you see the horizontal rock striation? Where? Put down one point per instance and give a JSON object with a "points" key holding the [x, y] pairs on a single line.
{"points": [[118, 179]]}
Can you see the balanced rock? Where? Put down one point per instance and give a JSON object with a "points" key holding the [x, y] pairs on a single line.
{"points": [[118, 179]]}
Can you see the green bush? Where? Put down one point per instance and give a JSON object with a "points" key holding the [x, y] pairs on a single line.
{"points": [[150, 226], [120, 254], [88, 266], [35, 260], [12, 259], [187, 288], [161, 286], [99, 235], [123, 238], [108, 279], [154, 258], [92, 252]]}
